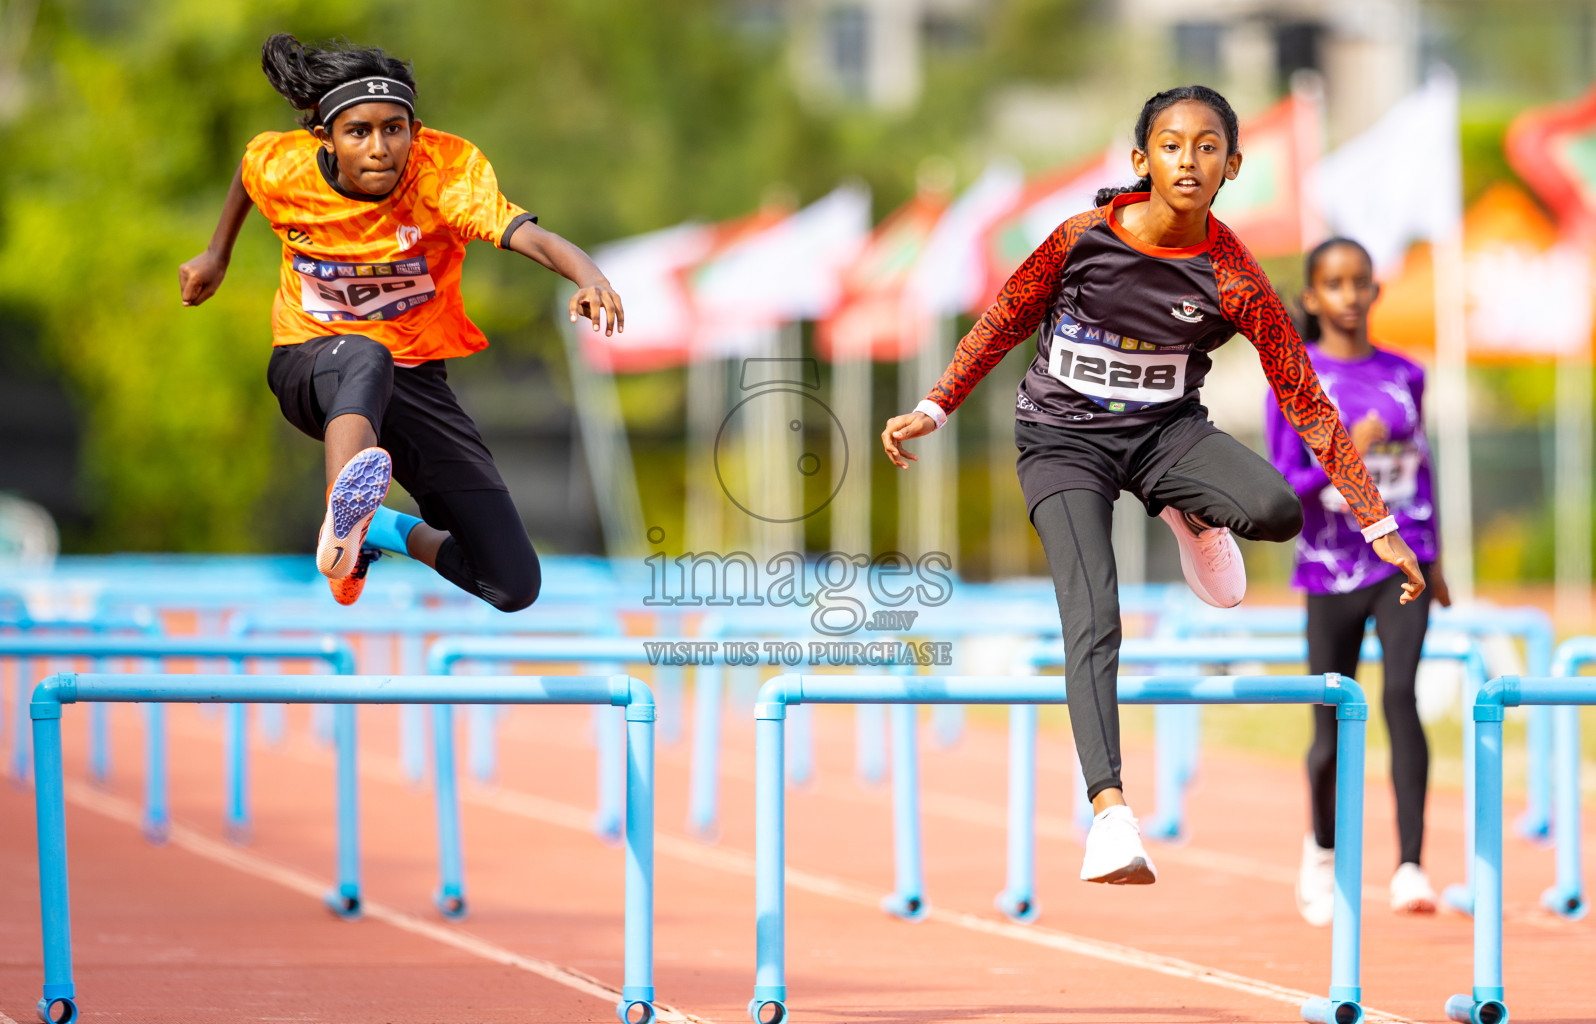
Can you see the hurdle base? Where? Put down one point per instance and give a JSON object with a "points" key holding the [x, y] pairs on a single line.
{"points": [[906, 907], [1169, 831], [450, 904], [1534, 828], [1459, 898], [1465, 1009], [1323, 1010], [608, 828], [766, 1008], [156, 832], [60, 1010], [240, 833], [1570, 906], [636, 1005], [345, 905], [1021, 908]]}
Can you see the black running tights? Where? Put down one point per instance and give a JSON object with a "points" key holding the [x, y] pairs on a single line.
{"points": [[1221, 480], [1336, 623], [488, 552]]}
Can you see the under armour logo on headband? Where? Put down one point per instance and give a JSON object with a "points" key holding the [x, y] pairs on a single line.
{"points": [[364, 90]]}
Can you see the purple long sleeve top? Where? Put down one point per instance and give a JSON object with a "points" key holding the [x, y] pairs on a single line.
{"points": [[1332, 556]]}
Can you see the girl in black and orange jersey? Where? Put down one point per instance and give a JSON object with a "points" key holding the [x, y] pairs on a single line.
{"points": [[375, 213], [1132, 297]]}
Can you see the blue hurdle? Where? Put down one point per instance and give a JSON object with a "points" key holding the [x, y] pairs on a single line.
{"points": [[1531, 626], [58, 1005], [332, 652], [1018, 898], [769, 1002], [1487, 1002], [443, 658]]}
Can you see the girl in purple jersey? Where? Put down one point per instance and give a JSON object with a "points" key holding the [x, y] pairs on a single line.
{"points": [[1380, 396]]}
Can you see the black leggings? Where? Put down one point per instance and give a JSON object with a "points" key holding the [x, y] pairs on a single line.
{"points": [[438, 455], [487, 552], [1336, 623], [1219, 479]]}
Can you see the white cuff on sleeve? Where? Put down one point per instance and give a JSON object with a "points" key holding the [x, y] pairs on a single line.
{"points": [[1376, 531], [932, 410]]}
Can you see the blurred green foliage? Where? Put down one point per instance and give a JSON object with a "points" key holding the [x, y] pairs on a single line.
{"points": [[607, 117]]}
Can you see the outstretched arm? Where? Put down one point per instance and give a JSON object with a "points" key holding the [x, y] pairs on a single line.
{"points": [[198, 279], [1251, 304], [1021, 305], [594, 299]]}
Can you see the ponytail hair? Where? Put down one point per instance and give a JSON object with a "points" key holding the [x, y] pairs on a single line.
{"points": [[1161, 102], [1310, 329], [303, 74]]}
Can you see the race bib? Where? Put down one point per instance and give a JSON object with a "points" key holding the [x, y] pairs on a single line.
{"points": [[1394, 468], [1118, 373], [362, 291]]}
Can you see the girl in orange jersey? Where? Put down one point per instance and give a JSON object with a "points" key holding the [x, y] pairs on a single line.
{"points": [[375, 212]]}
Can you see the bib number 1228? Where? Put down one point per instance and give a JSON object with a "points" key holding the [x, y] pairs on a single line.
{"points": [[1112, 373]]}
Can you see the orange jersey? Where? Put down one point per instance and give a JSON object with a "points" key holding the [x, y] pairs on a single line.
{"points": [[389, 267]]}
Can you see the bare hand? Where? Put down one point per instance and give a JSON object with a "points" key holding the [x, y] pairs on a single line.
{"points": [[1369, 430], [1442, 593], [598, 302], [198, 279], [901, 428], [1393, 549]]}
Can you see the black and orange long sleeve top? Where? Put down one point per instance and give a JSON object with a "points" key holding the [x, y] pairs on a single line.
{"points": [[1127, 329]]}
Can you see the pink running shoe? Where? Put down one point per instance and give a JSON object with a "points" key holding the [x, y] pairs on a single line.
{"points": [[351, 502], [1209, 559]]}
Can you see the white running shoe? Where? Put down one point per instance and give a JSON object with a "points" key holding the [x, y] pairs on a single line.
{"points": [[352, 500], [1114, 852], [1411, 892], [1209, 559], [1316, 884]]}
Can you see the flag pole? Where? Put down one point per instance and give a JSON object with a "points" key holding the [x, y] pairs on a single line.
{"points": [[606, 447], [1451, 362]]}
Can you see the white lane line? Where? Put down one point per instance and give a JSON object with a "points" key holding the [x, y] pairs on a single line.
{"points": [[123, 811], [4, 1019]]}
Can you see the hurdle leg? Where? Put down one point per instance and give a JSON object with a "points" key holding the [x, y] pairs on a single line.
{"points": [[1346, 991], [157, 823], [1169, 772], [801, 745], [482, 741], [637, 990], [1566, 897], [668, 691], [702, 811], [57, 1003], [1535, 824], [609, 724], [769, 1004], [1083, 803], [947, 725], [412, 717], [1018, 898], [238, 824], [908, 898], [19, 727], [345, 899], [1461, 897], [450, 897], [100, 736], [1486, 1004], [870, 744]]}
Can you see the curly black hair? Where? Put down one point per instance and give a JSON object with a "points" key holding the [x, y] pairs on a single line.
{"points": [[303, 74]]}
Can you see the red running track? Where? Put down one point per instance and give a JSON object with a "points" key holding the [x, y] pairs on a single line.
{"points": [[202, 930]]}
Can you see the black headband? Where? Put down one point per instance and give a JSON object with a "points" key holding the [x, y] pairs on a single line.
{"points": [[373, 88]]}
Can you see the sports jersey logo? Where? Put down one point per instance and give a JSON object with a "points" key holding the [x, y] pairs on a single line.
{"points": [[408, 234], [1187, 309], [1071, 329]]}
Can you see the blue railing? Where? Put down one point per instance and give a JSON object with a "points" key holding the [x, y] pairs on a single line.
{"points": [[58, 1003]]}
